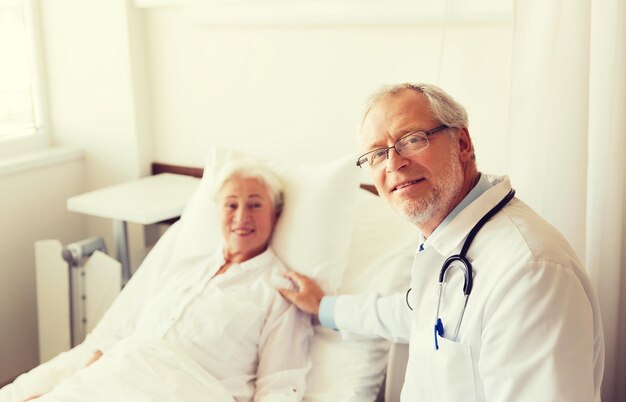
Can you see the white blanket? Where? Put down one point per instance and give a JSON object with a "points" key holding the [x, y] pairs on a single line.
{"points": [[141, 370]]}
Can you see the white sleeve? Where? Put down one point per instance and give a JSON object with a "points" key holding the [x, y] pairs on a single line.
{"points": [[119, 320], [283, 354], [371, 315], [538, 338]]}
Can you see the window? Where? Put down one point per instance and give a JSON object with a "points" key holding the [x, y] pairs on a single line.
{"points": [[20, 95]]}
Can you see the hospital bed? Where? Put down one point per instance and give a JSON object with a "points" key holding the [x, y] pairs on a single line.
{"points": [[331, 229]]}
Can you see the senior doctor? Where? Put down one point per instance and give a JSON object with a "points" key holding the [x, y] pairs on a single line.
{"points": [[529, 327]]}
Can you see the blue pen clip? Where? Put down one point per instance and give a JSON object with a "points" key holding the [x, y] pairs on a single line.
{"points": [[438, 331]]}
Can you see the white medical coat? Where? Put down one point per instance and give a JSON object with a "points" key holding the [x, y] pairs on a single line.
{"points": [[235, 325], [531, 331]]}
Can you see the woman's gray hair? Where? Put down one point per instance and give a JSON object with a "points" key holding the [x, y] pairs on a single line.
{"points": [[443, 107], [249, 168]]}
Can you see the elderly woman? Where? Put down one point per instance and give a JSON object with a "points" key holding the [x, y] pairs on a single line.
{"points": [[223, 311]]}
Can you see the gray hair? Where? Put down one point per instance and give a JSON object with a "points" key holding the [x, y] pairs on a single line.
{"points": [[443, 107], [249, 168]]}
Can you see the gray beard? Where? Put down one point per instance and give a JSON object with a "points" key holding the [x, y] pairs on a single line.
{"points": [[420, 211]]}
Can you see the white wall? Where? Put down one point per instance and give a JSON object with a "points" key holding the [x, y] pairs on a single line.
{"points": [[296, 92], [98, 98], [32, 207], [91, 98]]}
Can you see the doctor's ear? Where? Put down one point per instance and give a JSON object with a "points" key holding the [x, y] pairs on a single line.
{"points": [[466, 148]]}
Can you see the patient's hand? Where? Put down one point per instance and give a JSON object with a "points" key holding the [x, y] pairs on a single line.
{"points": [[307, 296], [94, 358]]}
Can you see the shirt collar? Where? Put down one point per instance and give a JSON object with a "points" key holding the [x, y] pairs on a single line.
{"points": [[481, 186], [257, 261], [260, 260], [486, 193], [478, 190]]}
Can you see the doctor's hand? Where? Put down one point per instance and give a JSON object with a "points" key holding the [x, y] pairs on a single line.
{"points": [[308, 294]]}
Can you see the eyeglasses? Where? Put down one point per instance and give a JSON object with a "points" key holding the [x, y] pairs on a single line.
{"points": [[408, 145]]}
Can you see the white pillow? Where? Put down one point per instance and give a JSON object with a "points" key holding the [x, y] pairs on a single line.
{"points": [[345, 370], [312, 235], [382, 249], [381, 256]]}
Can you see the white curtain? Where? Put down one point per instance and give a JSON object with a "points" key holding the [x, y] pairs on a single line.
{"points": [[566, 143]]}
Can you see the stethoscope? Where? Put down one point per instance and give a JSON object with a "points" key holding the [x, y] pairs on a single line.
{"points": [[465, 266]]}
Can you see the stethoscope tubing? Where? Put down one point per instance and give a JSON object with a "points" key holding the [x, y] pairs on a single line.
{"points": [[464, 265]]}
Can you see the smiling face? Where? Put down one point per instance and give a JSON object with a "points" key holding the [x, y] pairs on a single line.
{"points": [[424, 187], [247, 217]]}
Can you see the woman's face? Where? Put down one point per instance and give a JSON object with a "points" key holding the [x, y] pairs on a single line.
{"points": [[247, 217]]}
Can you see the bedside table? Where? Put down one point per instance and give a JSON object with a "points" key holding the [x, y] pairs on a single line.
{"points": [[148, 200]]}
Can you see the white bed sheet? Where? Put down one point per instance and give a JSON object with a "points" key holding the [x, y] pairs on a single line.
{"points": [[141, 370]]}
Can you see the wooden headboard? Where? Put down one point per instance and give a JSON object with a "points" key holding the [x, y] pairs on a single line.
{"points": [[177, 169], [197, 172]]}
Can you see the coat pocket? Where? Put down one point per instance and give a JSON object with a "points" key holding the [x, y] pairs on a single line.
{"points": [[452, 372]]}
